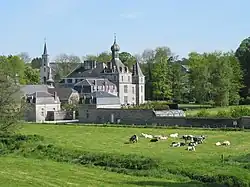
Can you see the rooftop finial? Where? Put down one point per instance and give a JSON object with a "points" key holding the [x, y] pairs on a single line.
{"points": [[114, 37], [44, 39]]}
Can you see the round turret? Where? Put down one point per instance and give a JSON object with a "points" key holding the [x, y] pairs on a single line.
{"points": [[115, 47]]}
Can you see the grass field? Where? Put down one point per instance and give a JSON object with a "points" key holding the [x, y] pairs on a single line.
{"points": [[212, 111], [206, 160], [23, 172], [181, 168]]}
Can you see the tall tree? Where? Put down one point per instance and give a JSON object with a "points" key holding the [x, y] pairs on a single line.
{"points": [[31, 76], [199, 77], [11, 108], [179, 80], [104, 57], [127, 59], [243, 55], [66, 64], [36, 63], [161, 83], [24, 56], [215, 77]]}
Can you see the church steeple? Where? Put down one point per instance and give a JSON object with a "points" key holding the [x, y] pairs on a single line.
{"points": [[44, 69], [45, 55], [45, 49]]}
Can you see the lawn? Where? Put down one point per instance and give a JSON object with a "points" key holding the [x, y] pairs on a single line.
{"points": [[206, 160], [212, 111], [23, 172]]}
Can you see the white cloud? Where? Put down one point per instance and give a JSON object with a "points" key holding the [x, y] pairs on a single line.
{"points": [[131, 15]]}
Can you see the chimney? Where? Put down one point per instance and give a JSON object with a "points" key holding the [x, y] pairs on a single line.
{"points": [[55, 95]]}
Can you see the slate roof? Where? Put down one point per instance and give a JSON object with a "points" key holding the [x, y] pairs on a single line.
{"points": [[80, 71], [94, 81], [137, 70], [102, 94], [62, 93], [30, 89], [104, 98], [44, 98]]}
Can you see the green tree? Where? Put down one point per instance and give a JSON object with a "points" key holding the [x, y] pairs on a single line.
{"points": [[24, 56], [36, 63], [104, 57], [199, 77], [11, 108], [127, 59], [243, 55], [179, 82], [161, 82], [215, 77], [65, 65], [31, 76]]}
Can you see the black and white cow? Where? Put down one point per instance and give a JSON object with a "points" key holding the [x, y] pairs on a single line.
{"points": [[133, 139]]}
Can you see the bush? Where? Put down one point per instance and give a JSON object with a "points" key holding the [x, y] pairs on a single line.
{"points": [[203, 113], [227, 180], [97, 159], [239, 111], [223, 113], [245, 101], [151, 105]]}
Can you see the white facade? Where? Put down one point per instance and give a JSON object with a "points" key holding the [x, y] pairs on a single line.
{"points": [[42, 109]]}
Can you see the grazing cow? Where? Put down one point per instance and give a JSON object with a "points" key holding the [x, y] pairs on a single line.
{"points": [[191, 148], [218, 144], [182, 144], [188, 137], [157, 136], [133, 139], [175, 135], [147, 135], [154, 140], [199, 139], [175, 144], [163, 138], [192, 144], [226, 143]]}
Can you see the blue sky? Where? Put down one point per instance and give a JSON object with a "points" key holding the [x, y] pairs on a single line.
{"points": [[83, 27]]}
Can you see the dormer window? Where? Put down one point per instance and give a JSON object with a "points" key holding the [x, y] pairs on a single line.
{"points": [[120, 69]]}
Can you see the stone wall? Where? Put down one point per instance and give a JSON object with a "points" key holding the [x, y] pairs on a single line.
{"points": [[213, 122], [59, 115], [138, 117], [144, 117]]}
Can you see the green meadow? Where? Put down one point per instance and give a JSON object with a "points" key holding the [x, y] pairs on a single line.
{"points": [[71, 155]]}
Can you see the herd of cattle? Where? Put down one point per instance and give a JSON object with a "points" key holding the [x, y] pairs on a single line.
{"points": [[190, 140]]}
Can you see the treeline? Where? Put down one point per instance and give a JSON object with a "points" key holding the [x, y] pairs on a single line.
{"points": [[217, 78]]}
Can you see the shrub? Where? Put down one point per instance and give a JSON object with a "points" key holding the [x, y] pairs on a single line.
{"points": [[203, 113], [151, 105], [239, 111], [223, 113], [130, 161], [245, 101]]}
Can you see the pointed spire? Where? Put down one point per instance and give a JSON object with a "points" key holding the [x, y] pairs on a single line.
{"points": [[45, 47], [114, 38]]}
